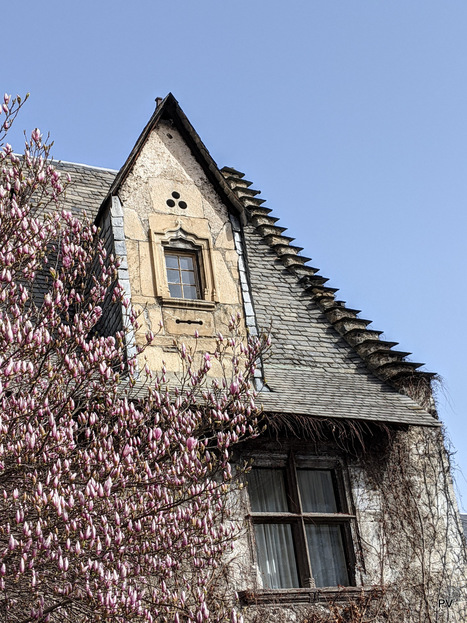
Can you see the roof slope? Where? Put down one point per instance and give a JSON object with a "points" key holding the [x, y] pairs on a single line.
{"points": [[88, 188], [325, 361]]}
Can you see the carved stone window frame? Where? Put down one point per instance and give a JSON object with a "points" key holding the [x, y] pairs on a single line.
{"points": [[177, 233]]}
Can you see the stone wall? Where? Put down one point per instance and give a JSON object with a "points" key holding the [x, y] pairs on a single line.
{"points": [[165, 197]]}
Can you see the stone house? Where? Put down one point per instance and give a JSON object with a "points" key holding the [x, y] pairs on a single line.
{"points": [[350, 509]]}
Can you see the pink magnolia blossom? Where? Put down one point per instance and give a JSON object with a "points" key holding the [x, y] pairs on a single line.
{"points": [[191, 443], [113, 504]]}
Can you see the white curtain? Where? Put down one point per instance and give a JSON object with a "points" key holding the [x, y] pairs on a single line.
{"points": [[267, 491], [316, 491], [276, 556], [327, 555]]}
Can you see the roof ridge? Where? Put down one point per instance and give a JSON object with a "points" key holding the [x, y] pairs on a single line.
{"points": [[388, 365]]}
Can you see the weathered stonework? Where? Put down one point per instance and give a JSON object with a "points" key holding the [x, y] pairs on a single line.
{"points": [[165, 166]]}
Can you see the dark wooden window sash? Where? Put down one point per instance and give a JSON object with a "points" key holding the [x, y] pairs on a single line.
{"points": [[298, 520], [175, 252]]}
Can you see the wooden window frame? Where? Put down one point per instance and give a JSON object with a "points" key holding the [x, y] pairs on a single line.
{"points": [[298, 519], [197, 272]]}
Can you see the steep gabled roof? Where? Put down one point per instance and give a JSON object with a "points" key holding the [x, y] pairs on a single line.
{"points": [[382, 371]]}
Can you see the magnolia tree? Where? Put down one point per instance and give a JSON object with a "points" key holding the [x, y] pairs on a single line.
{"points": [[112, 508]]}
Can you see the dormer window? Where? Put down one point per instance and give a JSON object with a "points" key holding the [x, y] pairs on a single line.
{"points": [[183, 274], [183, 262]]}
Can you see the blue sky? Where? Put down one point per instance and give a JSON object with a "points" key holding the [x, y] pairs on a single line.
{"points": [[350, 116]]}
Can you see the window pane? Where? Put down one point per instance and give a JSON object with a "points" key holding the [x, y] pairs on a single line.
{"points": [[171, 261], [189, 292], [182, 271], [267, 490], [316, 491], [173, 276], [327, 555], [175, 291], [276, 556], [188, 277], [186, 262]]}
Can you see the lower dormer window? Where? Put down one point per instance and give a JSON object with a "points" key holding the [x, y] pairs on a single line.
{"points": [[301, 527], [183, 274]]}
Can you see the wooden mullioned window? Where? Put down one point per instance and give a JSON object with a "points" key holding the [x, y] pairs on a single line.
{"points": [[183, 274], [301, 525]]}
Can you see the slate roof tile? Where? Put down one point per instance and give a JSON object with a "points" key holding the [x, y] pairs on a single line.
{"points": [[337, 367], [88, 188]]}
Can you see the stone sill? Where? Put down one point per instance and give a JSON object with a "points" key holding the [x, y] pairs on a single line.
{"points": [[188, 303], [308, 595]]}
